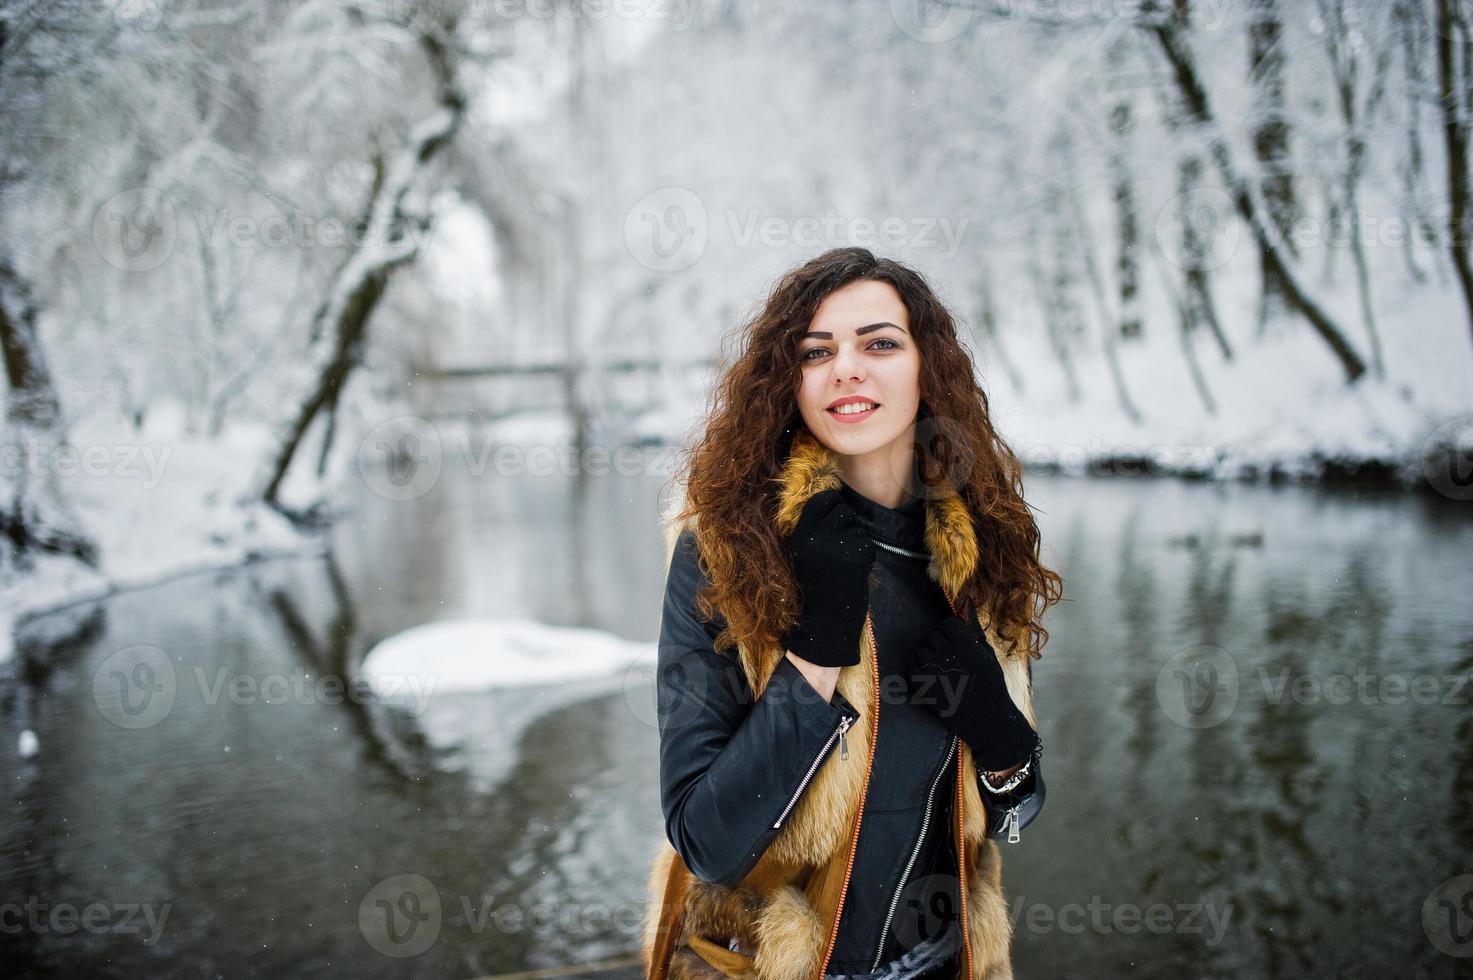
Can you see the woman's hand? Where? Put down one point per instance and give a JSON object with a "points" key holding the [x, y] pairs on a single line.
{"points": [[832, 556], [822, 679], [956, 673]]}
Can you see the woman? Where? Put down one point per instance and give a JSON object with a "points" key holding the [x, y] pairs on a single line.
{"points": [[854, 548]]}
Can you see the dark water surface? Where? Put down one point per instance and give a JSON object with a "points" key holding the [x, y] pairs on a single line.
{"points": [[1257, 719]]}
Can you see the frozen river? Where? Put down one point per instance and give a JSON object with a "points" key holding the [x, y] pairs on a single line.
{"points": [[1256, 708]]}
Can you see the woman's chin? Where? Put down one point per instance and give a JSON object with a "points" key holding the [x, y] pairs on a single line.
{"points": [[849, 441]]}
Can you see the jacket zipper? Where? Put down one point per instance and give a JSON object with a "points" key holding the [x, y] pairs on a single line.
{"points": [[900, 885], [1011, 823], [874, 734], [822, 753]]}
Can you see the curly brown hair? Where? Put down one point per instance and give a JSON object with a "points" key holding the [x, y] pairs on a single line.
{"points": [[729, 475]]}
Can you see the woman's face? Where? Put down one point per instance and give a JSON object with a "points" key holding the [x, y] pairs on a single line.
{"points": [[859, 344]]}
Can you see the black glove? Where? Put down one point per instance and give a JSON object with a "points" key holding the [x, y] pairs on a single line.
{"points": [[955, 672], [832, 557]]}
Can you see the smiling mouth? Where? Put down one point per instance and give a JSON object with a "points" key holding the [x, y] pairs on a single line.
{"points": [[854, 408]]}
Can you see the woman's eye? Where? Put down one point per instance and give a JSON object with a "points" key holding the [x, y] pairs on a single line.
{"points": [[879, 340]]}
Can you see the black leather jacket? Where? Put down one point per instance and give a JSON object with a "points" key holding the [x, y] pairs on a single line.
{"points": [[732, 767]]}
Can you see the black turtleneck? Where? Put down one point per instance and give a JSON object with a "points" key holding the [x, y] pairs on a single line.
{"points": [[911, 747], [903, 525]]}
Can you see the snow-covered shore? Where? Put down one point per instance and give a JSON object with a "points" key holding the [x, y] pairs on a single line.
{"points": [[159, 502]]}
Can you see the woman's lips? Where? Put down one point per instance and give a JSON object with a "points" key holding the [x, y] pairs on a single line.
{"points": [[852, 416]]}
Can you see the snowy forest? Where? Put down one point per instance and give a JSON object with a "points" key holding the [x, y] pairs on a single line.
{"points": [[1214, 238]]}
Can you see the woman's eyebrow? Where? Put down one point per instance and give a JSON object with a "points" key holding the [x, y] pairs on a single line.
{"points": [[826, 335]]}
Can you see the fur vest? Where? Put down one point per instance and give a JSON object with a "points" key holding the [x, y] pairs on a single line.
{"points": [[787, 908]]}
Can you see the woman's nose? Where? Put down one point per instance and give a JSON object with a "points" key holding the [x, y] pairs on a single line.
{"points": [[847, 365]]}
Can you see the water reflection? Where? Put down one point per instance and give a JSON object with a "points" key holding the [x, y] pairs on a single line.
{"points": [[1299, 832], [1314, 828]]}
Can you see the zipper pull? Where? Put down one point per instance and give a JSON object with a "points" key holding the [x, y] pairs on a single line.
{"points": [[843, 740], [1011, 823]]}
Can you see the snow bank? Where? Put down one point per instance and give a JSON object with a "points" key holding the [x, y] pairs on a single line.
{"points": [[477, 685], [480, 654]]}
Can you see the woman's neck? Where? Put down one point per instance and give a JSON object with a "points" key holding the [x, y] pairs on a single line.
{"points": [[876, 475]]}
